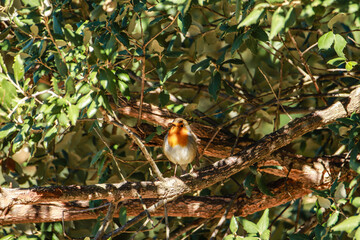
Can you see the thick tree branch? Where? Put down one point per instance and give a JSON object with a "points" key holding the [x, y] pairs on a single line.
{"points": [[186, 206], [201, 179]]}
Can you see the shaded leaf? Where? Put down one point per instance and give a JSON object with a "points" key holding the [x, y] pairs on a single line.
{"points": [[184, 23], [122, 216], [201, 65], [215, 84], [277, 22]]}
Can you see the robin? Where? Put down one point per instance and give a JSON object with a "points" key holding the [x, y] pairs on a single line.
{"points": [[180, 144]]}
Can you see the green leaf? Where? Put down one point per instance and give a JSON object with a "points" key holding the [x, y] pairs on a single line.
{"points": [[334, 217], [337, 61], [184, 23], [169, 74], [350, 65], [237, 43], [164, 97], [18, 67], [50, 134], [122, 216], [8, 96], [229, 237], [348, 224], [60, 65], [355, 202], [57, 26], [249, 227], [233, 225], [2, 65], [326, 40], [58, 227], [150, 137], [347, 121], [354, 163], [263, 223], [255, 15], [233, 61], [97, 156], [277, 22], [70, 86], [215, 84], [63, 119], [73, 114], [265, 235], [124, 89], [249, 184], [84, 100], [357, 234], [262, 185], [324, 202], [201, 65], [93, 108], [339, 45], [260, 34], [340, 192], [107, 78], [7, 130], [290, 18], [8, 237]]}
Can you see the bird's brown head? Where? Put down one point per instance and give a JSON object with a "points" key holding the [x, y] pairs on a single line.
{"points": [[179, 123]]}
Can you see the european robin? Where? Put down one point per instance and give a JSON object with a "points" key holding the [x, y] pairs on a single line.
{"points": [[180, 144]]}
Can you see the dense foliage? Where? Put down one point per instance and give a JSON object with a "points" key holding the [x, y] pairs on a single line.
{"points": [[247, 67]]}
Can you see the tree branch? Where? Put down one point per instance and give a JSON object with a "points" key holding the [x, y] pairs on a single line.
{"points": [[205, 177]]}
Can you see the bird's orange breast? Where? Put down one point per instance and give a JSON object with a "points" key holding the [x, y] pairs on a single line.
{"points": [[178, 136]]}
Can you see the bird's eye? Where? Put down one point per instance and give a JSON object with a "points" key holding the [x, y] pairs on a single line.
{"points": [[181, 125]]}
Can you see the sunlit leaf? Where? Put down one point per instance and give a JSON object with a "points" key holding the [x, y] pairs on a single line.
{"points": [[348, 224], [49, 136], [249, 227], [233, 225], [73, 113], [18, 68], [263, 223], [339, 45], [326, 40]]}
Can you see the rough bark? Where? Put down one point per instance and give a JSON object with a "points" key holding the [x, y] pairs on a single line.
{"points": [[185, 206]]}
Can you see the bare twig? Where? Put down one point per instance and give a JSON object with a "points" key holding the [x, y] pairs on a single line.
{"points": [[106, 222], [138, 141], [224, 216], [138, 218], [276, 97]]}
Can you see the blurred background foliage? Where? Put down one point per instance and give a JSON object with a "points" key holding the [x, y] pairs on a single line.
{"points": [[250, 66]]}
